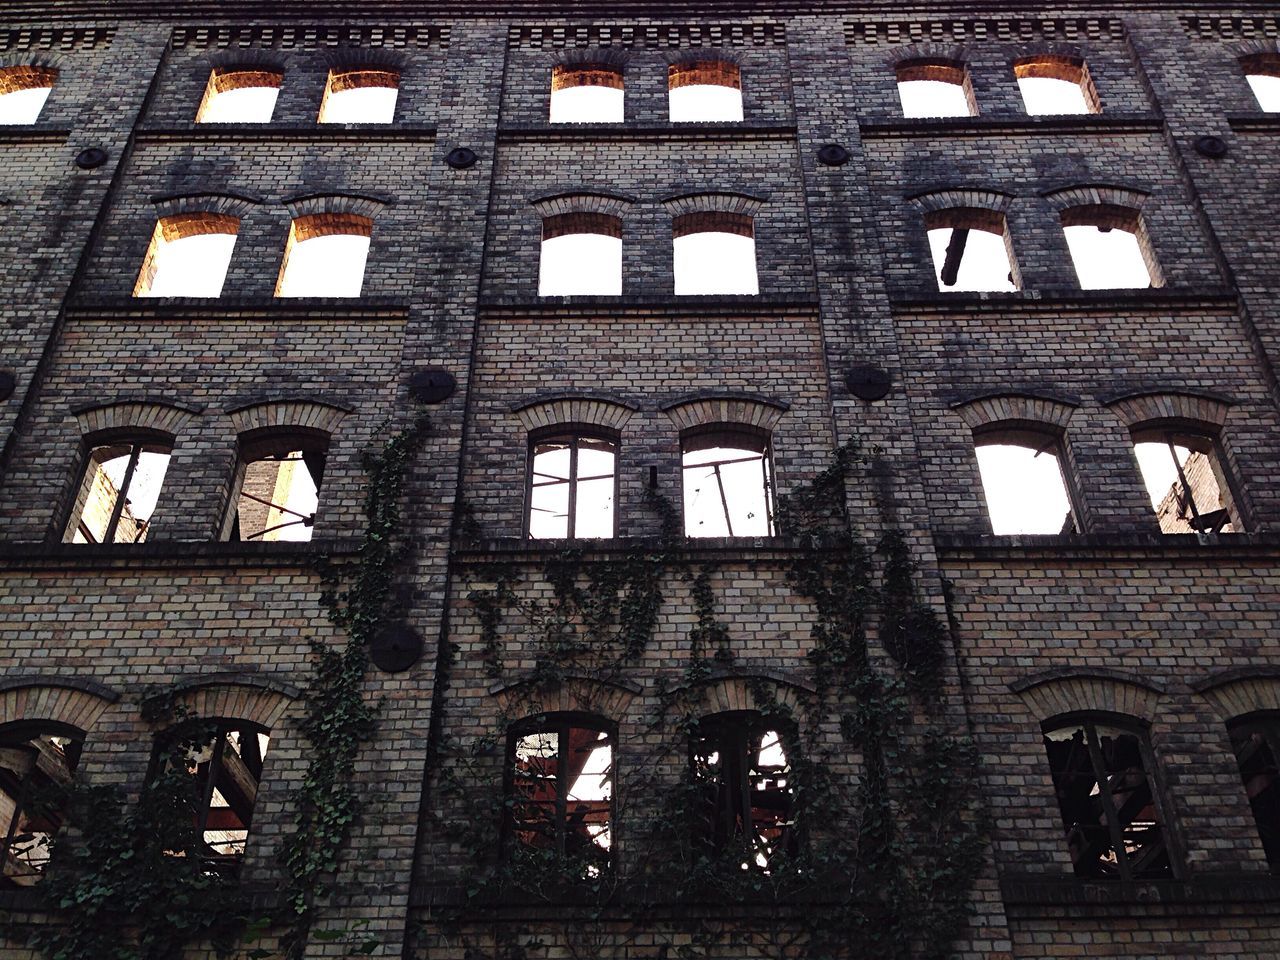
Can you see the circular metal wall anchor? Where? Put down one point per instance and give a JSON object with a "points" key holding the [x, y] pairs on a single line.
{"points": [[833, 155], [432, 385], [8, 383], [91, 157], [867, 382], [1212, 147], [395, 648], [460, 158]]}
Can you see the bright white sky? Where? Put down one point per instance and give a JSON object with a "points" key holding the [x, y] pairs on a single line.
{"points": [[360, 105], [984, 266], [587, 105], [23, 106], [1045, 96], [1158, 471], [714, 263], [705, 103], [192, 266], [1107, 260], [744, 490], [1267, 90], [328, 266], [549, 499], [1024, 489], [933, 98], [243, 105], [580, 263]]}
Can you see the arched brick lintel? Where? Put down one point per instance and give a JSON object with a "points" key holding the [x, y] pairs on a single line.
{"points": [[74, 701], [1065, 690], [292, 412], [992, 409], [162, 416], [524, 697], [1139, 409], [1241, 691], [707, 409], [600, 411]]}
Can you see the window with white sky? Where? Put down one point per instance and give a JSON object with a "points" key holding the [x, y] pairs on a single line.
{"points": [[189, 257], [1047, 96], [325, 266], [587, 94], [983, 266], [1024, 487], [25, 89], [1266, 89], [360, 96], [240, 96], [923, 99], [1107, 258]]}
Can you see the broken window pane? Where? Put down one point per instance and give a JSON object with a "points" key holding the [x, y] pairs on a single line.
{"points": [[279, 494], [360, 96], [586, 94], [1024, 485], [561, 800], [240, 96], [935, 88], [189, 256], [741, 766], [1262, 70], [571, 487], [714, 253], [1107, 258], [1257, 746], [971, 252], [1104, 794], [705, 92], [581, 255], [728, 484], [118, 493], [325, 256], [1185, 480], [35, 759], [1054, 85], [23, 92]]}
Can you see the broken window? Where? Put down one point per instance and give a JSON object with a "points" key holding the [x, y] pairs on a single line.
{"points": [[240, 96], [360, 96], [581, 254], [1184, 475], [587, 93], [279, 486], [1262, 70], [118, 492], [1101, 774], [714, 253], [188, 256], [35, 760], [325, 256], [225, 759], [1110, 248], [23, 92], [560, 801], [1056, 85], [706, 91], [739, 764], [935, 88], [1256, 741], [572, 480], [972, 250], [1023, 480], [728, 483]]}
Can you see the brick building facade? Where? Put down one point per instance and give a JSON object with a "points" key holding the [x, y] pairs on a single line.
{"points": [[1124, 637]]}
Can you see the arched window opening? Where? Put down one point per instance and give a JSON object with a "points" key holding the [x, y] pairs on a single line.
{"points": [[581, 255], [240, 96], [972, 250], [1102, 776], [23, 92], [1256, 741], [572, 483], [560, 790], [935, 88], [36, 759], [739, 765], [360, 96], [279, 487], [1023, 481], [224, 758], [118, 492], [1262, 70], [707, 91], [728, 483], [588, 93], [714, 253], [1056, 85], [189, 256], [1110, 248], [325, 256], [1186, 480]]}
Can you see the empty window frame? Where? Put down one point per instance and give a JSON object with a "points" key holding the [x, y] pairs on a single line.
{"points": [[581, 255], [739, 765], [1110, 248], [188, 256], [360, 96], [572, 486], [1102, 774], [1256, 741], [728, 482], [560, 789], [1023, 481], [1262, 70], [225, 759], [1185, 477], [972, 250], [586, 93], [36, 759], [705, 91], [118, 491], [280, 474], [325, 256], [714, 253], [935, 88], [1054, 85], [240, 96], [23, 92]]}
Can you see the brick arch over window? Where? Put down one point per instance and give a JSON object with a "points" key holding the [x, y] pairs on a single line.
{"points": [[525, 697], [593, 409], [956, 198], [155, 415], [1096, 194], [1241, 691], [1261, 57], [715, 201], [994, 410], [288, 414], [1069, 690], [1189, 409], [728, 694], [925, 52], [257, 700], [29, 74], [74, 701], [708, 410], [230, 73], [363, 205], [585, 201], [692, 68], [234, 205]]}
